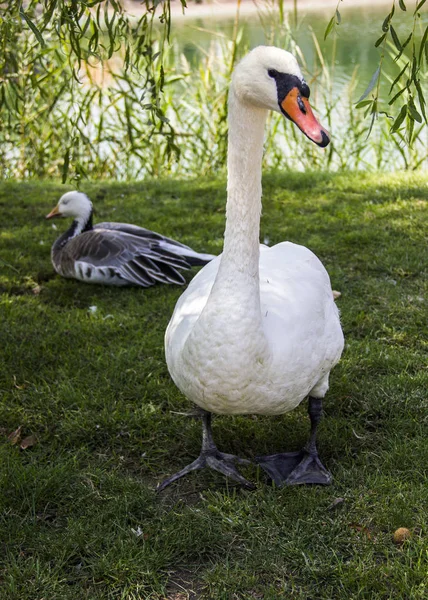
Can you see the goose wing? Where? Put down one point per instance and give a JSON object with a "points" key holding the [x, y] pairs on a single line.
{"points": [[109, 255], [160, 242]]}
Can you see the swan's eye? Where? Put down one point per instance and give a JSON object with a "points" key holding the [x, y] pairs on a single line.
{"points": [[301, 105], [272, 73], [306, 92]]}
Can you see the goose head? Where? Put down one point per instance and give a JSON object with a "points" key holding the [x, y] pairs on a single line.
{"points": [[72, 204], [270, 78]]}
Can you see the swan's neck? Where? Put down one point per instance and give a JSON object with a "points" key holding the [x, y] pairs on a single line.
{"points": [[240, 260]]}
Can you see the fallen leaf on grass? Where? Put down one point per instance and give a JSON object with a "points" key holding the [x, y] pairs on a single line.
{"points": [[14, 437], [361, 529], [336, 502], [18, 387], [28, 442], [336, 294], [36, 290]]}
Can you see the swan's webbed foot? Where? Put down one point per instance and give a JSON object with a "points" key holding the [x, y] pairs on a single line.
{"points": [[302, 467], [294, 468], [211, 457]]}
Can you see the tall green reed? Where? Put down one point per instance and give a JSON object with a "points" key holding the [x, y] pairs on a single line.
{"points": [[100, 121]]}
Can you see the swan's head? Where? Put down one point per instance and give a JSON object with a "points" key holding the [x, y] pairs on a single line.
{"points": [[271, 78], [72, 204]]}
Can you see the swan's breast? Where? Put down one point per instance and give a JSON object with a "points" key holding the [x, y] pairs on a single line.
{"points": [[228, 359]]}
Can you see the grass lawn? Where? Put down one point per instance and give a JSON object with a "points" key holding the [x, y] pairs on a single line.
{"points": [[79, 518]]}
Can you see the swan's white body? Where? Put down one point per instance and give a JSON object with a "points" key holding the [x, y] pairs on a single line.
{"points": [[257, 330]]}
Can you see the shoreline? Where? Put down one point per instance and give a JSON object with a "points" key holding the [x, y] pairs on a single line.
{"points": [[226, 9], [221, 9]]}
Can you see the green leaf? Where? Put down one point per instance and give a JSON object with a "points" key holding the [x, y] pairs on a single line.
{"points": [[402, 48], [371, 85], [380, 40], [421, 100], [410, 129], [418, 6], [395, 37], [338, 17], [397, 79], [32, 27], [397, 95], [363, 103], [65, 165], [399, 120], [385, 24], [329, 28], [423, 42], [413, 111], [402, 5]]}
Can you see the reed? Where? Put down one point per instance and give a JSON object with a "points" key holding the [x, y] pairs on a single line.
{"points": [[100, 124]]}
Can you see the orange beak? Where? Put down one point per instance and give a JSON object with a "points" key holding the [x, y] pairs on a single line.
{"points": [[54, 213], [297, 109]]}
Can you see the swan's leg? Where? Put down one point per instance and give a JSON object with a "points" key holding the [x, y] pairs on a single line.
{"points": [[210, 456], [292, 468]]}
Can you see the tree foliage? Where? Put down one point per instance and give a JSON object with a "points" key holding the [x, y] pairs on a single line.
{"points": [[408, 57], [44, 46]]}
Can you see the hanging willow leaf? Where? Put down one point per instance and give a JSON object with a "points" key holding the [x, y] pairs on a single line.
{"points": [[380, 40], [338, 17], [32, 27], [329, 28], [66, 165], [364, 103], [421, 100], [397, 95], [402, 5], [397, 79], [395, 38], [413, 111], [420, 5], [423, 45], [385, 24], [399, 120], [371, 85], [403, 47]]}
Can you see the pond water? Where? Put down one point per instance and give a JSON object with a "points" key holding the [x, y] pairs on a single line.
{"points": [[354, 45]]}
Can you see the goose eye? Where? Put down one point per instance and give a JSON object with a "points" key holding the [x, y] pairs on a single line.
{"points": [[272, 73]]}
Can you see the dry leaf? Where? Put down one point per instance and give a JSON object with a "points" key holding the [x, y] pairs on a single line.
{"points": [[29, 441], [361, 529], [15, 436], [336, 502], [336, 294], [36, 290], [18, 387]]}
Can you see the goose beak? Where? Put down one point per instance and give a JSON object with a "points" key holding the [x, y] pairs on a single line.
{"points": [[54, 213], [297, 108]]}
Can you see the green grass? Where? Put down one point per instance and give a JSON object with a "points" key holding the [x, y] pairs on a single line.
{"points": [[94, 388]]}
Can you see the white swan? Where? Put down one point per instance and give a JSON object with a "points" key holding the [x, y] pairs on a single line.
{"points": [[257, 330]]}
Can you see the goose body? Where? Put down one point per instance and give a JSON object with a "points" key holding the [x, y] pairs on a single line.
{"points": [[257, 330], [116, 254]]}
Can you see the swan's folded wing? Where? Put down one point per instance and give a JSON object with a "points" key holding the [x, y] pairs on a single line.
{"points": [[298, 310]]}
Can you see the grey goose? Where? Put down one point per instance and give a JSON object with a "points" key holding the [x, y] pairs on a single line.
{"points": [[116, 253]]}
